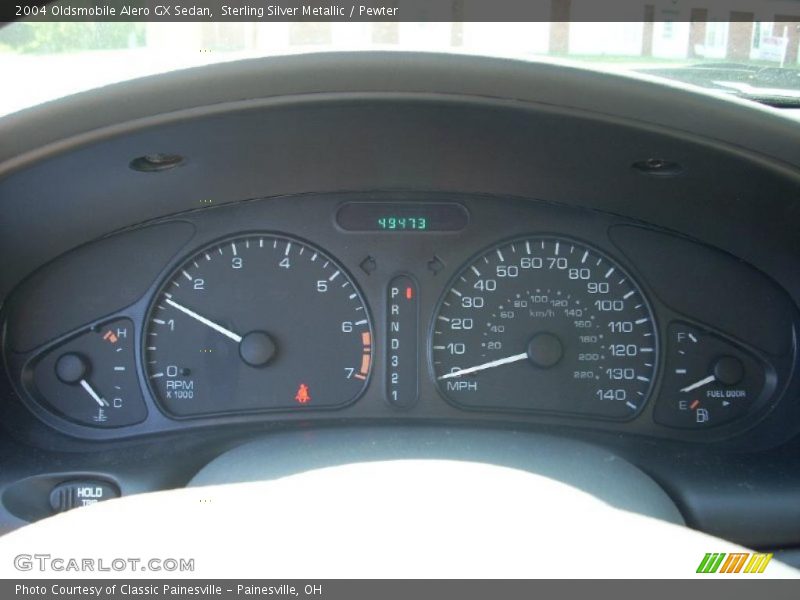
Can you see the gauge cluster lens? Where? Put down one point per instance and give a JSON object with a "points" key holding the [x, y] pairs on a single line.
{"points": [[254, 323], [444, 314], [545, 324]]}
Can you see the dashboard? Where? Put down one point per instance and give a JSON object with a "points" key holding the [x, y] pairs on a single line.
{"points": [[383, 254], [400, 305]]}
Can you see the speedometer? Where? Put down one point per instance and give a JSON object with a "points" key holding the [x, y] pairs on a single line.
{"points": [[545, 324]]}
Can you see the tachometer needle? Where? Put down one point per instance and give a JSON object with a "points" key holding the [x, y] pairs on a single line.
{"points": [[226, 332], [701, 383], [95, 396], [489, 365]]}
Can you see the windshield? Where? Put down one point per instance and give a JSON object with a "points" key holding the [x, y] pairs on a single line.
{"points": [[752, 59]]}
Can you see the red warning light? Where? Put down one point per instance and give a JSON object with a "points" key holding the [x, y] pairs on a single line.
{"points": [[110, 337], [302, 396], [409, 293]]}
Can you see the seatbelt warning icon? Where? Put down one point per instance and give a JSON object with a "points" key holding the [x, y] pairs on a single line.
{"points": [[302, 396]]}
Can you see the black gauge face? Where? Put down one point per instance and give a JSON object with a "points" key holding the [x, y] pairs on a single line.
{"points": [[545, 324], [257, 322]]}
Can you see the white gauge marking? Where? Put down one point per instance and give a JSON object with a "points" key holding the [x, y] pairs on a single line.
{"points": [[226, 332]]}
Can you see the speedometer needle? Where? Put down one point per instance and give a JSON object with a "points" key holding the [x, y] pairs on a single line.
{"points": [[226, 332], [700, 383], [489, 365]]}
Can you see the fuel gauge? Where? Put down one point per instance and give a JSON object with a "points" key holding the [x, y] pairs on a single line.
{"points": [[91, 378], [708, 381]]}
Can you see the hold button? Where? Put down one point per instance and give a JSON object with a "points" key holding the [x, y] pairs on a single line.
{"points": [[82, 492]]}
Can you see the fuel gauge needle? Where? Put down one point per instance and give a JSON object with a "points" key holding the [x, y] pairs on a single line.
{"points": [[701, 383], [95, 396]]}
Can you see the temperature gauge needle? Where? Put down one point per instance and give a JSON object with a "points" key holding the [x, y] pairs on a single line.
{"points": [[489, 365], [95, 396], [226, 332], [701, 383]]}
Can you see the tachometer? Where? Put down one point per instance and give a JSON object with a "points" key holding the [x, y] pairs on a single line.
{"points": [[545, 324], [255, 323]]}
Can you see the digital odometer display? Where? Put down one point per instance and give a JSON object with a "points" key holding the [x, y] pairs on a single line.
{"points": [[257, 322], [402, 216], [545, 324], [395, 223]]}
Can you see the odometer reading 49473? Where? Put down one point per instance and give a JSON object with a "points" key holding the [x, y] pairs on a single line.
{"points": [[545, 324]]}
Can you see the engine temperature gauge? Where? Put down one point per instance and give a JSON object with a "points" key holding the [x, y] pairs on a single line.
{"points": [[708, 381], [91, 379]]}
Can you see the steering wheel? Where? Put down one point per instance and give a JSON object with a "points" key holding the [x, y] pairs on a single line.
{"points": [[390, 502]]}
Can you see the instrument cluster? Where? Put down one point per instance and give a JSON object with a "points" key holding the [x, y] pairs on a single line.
{"points": [[399, 306]]}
